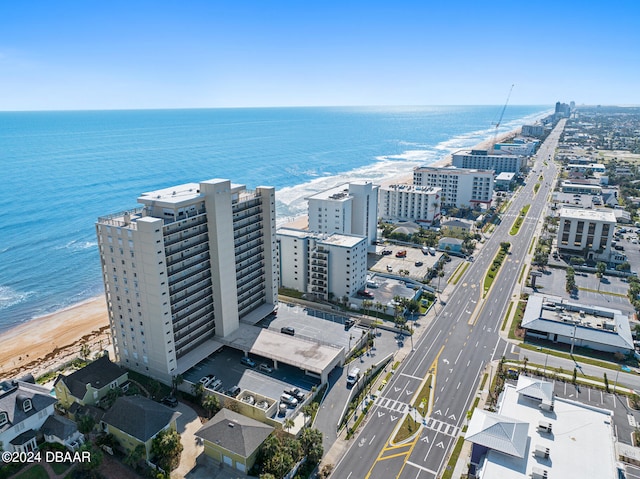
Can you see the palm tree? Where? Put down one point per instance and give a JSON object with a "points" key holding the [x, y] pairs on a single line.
{"points": [[366, 305], [211, 404], [288, 424], [310, 410]]}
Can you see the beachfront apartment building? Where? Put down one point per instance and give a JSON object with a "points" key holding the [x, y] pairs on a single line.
{"points": [[186, 266], [459, 186], [350, 208], [587, 233], [482, 160], [325, 266], [410, 203]]}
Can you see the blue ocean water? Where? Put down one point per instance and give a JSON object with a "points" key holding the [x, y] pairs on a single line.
{"points": [[62, 170]]}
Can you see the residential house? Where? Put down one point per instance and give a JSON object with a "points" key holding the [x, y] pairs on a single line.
{"points": [[63, 431], [24, 407], [87, 386], [450, 245], [233, 439], [135, 420]]}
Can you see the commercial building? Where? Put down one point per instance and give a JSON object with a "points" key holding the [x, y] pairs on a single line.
{"points": [[594, 327], [504, 181], [459, 186], [537, 435], [188, 265], [322, 265], [350, 208], [581, 188], [586, 233], [481, 159], [410, 203]]}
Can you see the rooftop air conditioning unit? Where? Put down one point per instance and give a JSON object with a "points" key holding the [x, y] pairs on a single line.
{"points": [[545, 426], [541, 451], [538, 473]]}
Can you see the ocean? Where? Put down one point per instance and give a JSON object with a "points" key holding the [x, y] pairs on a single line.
{"points": [[62, 170]]}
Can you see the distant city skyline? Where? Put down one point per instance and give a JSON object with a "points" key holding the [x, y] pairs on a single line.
{"points": [[74, 55]]}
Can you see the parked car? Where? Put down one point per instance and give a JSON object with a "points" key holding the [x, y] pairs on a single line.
{"points": [[216, 385], [206, 380], [248, 362], [265, 367], [419, 263], [234, 391], [365, 294], [296, 393], [169, 401], [386, 252], [288, 330], [288, 400]]}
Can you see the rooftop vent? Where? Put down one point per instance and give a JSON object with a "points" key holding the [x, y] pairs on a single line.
{"points": [[538, 473]]}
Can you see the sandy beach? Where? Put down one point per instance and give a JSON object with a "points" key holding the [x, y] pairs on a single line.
{"points": [[45, 343]]}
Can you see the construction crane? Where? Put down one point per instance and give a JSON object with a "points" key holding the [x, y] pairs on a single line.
{"points": [[495, 134]]}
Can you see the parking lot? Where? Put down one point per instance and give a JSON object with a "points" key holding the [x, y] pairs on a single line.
{"points": [[391, 264], [226, 366]]}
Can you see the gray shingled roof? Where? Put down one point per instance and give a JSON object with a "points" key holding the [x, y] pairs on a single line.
{"points": [[99, 373], [139, 417], [12, 399], [235, 432], [59, 426]]}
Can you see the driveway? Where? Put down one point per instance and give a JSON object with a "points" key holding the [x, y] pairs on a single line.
{"points": [[187, 425]]}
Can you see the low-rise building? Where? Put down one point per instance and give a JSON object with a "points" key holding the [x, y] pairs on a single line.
{"points": [[586, 233], [581, 325], [233, 439], [325, 266], [504, 181], [63, 431], [534, 435], [136, 420], [456, 227], [581, 188], [24, 408], [87, 386], [450, 245], [410, 203], [459, 187]]}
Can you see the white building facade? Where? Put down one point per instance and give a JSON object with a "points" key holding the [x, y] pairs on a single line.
{"points": [[326, 266], [350, 208], [459, 186], [189, 264], [586, 233], [482, 160], [410, 203]]}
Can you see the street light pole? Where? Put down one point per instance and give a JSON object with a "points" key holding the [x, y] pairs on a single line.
{"points": [[573, 340], [615, 383]]}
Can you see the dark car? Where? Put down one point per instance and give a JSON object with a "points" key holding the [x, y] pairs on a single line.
{"points": [[296, 393], [288, 330], [387, 252], [169, 401], [365, 294], [234, 391]]}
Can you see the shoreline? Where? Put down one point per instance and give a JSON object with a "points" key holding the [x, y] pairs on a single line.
{"points": [[45, 343]]}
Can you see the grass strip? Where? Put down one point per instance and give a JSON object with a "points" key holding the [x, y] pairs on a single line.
{"points": [[448, 473], [460, 273], [506, 317], [408, 429]]}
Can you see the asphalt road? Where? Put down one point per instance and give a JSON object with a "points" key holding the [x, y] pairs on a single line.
{"points": [[454, 350]]}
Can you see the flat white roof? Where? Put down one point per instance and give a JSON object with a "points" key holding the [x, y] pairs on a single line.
{"points": [[337, 193], [337, 239], [171, 195], [307, 355], [581, 443], [505, 176], [582, 214]]}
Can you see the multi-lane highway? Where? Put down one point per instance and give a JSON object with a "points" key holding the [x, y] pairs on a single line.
{"points": [[452, 352]]}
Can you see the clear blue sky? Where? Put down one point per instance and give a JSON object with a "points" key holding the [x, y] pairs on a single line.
{"points": [[172, 54]]}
